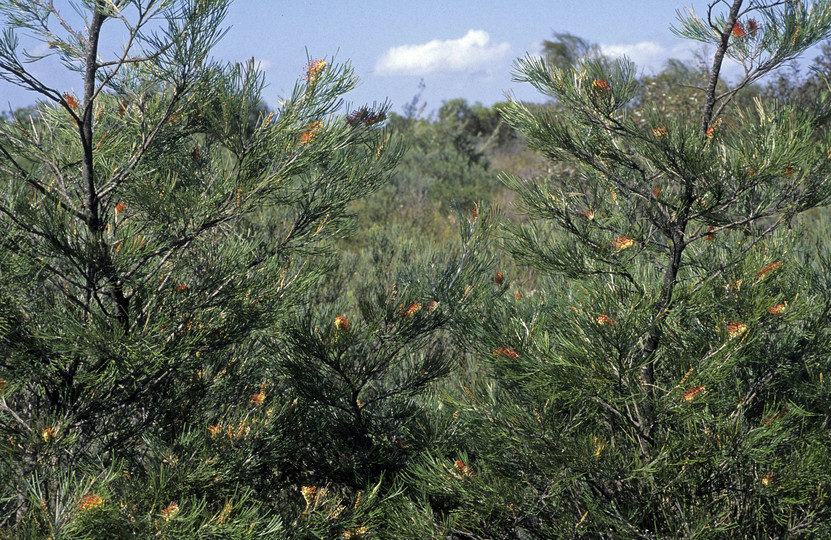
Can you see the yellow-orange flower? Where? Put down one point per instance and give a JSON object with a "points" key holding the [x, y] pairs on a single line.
{"points": [[49, 434], [258, 398], [310, 133], [308, 493], [314, 69], [603, 320], [170, 511], [214, 429], [622, 242], [735, 329], [692, 393], [768, 479], [90, 501], [342, 323], [411, 310], [660, 131]]}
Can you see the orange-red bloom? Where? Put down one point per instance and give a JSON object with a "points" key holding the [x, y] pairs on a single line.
{"points": [[411, 310], [603, 320], [258, 398], [768, 269], [692, 393], [342, 323], [462, 468], [778, 309], [601, 85], [120, 207], [738, 30], [660, 131], [499, 278], [70, 100], [505, 352]]}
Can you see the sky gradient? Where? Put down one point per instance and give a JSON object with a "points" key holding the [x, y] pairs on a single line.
{"points": [[459, 48]]}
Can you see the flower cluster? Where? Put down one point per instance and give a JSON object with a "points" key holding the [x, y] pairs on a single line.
{"points": [[170, 511], [411, 310], [778, 309], [505, 352], [314, 69], [342, 323], [692, 393], [90, 501], [603, 320], [735, 329], [660, 131], [310, 133], [601, 85], [622, 242], [767, 270]]}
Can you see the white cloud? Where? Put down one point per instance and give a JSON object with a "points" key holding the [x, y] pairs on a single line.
{"points": [[474, 50], [648, 56]]}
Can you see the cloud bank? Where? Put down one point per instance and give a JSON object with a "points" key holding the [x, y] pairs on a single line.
{"points": [[473, 50]]}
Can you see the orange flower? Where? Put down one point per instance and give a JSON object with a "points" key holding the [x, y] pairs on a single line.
{"points": [[49, 434], [258, 398], [499, 278], [778, 309], [656, 192], [601, 85], [735, 329], [692, 393], [738, 30], [120, 207], [70, 100], [506, 352], [214, 429], [314, 69], [589, 214], [767, 479], [411, 310], [711, 236], [462, 468], [660, 131], [342, 323], [181, 288], [603, 320], [768, 269], [170, 511], [310, 133], [90, 501], [622, 242]]}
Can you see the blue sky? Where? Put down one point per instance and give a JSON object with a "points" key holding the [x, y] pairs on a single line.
{"points": [[460, 48]]}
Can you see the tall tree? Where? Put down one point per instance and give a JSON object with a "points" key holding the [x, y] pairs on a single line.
{"points": [[151, 235], [668, 378]]}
